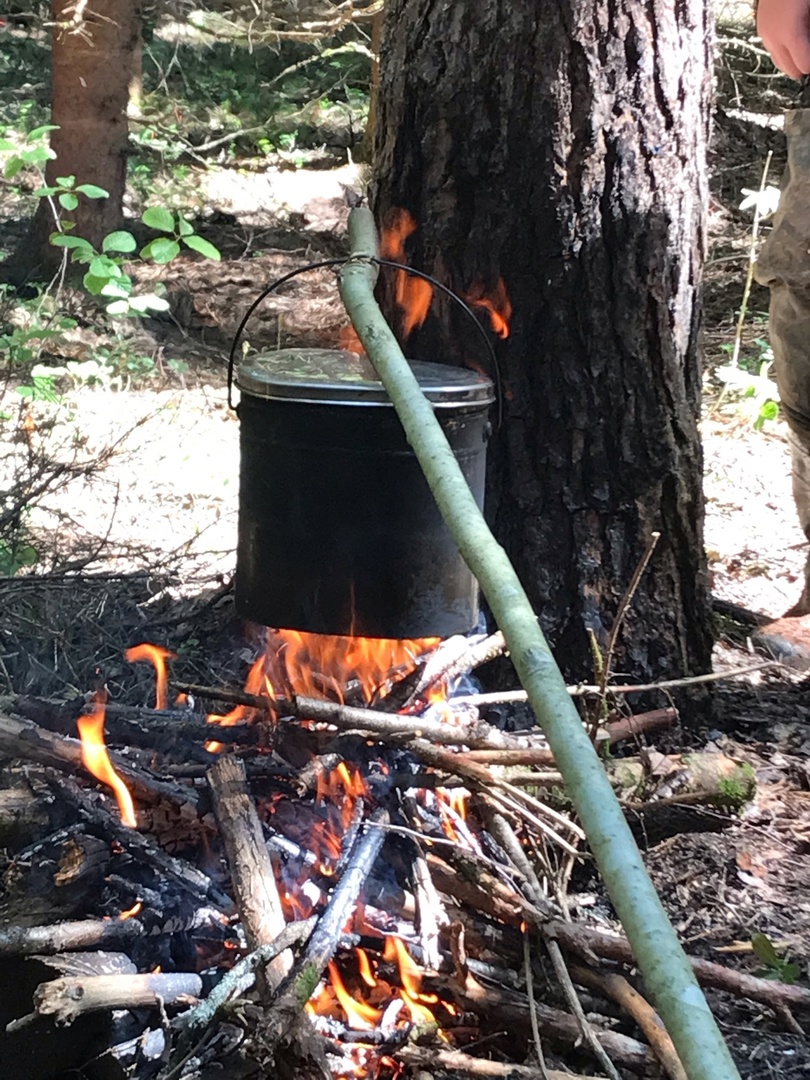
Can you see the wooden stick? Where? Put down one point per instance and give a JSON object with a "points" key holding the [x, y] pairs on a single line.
{"points": [[619, 989], [68, 936], [574, 1004], [583, 690], [454, 1061], [67, 999], [252, 878], [590, 943], [203, 1014], [505, 1006], [24, 739], [321, 946], [453, 664], [395, 726], [141, 847]]}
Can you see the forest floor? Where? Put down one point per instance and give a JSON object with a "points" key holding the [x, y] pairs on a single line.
{"points": [[139, 544]]}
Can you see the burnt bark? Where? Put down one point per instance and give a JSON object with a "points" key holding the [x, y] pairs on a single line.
{"points": [[562, 148]]}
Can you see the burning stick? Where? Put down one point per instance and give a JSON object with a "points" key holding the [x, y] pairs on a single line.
{"points": [[97, 761], [454, 657], [252, 878], [140, 847], [24, 739], [388, 726], [285, 1018]]}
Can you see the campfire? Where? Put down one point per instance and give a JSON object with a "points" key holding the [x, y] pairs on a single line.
{"points": [[358, 857]]}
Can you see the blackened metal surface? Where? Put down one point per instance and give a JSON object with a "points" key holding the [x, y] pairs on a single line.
{"points": [[338, 530]]}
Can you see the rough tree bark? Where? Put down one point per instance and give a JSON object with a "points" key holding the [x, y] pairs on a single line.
{"points": [[562, 147], [94, 47]]}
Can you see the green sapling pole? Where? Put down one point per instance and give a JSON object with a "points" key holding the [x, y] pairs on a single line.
{"points": [[667, 972]]}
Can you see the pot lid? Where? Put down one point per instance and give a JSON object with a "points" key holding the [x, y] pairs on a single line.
{"points": [[340, 377]]}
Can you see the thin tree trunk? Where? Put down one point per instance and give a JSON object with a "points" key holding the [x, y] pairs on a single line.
{"points": [[94, 48], [562, 147]]}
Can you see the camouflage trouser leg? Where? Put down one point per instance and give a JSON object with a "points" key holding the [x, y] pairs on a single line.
{"points": [[784, 266]]}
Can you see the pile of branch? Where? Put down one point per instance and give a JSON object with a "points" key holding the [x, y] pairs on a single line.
{"points": [[480, 902]]}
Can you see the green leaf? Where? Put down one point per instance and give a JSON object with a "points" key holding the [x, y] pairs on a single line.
{"points": [[92, 191], [43, 129], [184, 227], [769, 410], [103, 266], [59, 239], [156, 217], [43, 191], [149, 302], [13, 166], [118, 307], [161, 251], [118, 289], [36, 155], [764, 950], [119, 241], [94, 284], [66, 181], [204, 247], [68, 201], [6, 145]]}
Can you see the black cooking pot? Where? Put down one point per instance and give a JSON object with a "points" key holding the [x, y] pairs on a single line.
{"points": [[339, 532]]}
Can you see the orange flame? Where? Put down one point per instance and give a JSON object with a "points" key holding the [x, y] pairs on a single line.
{"points": [[496, 303], [348, 339], [97, 761], [130, 913], [340, 789], [364, 968], [359, 1014], [325, 666], [158, 657], [411, 978], [413, 294]]}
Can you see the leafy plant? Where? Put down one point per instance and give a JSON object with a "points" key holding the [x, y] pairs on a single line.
{"points": [[106, 274], [13, 557], [180, 232], [42, 386], [33, 152], [776, 966], [757, 390], [65, 191]]}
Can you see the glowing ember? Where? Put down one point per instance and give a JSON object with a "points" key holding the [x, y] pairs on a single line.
{"points": [[497, 304], [97, 761], [158, 657]]}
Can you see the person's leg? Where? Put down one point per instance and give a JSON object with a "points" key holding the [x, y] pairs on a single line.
{"points": [[784, 266]]}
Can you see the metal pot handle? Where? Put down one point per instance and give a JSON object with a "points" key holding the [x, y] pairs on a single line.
{"points": [[380, 262]]}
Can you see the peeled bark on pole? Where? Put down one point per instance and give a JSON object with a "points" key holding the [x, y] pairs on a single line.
{"points": [[666, 970]]}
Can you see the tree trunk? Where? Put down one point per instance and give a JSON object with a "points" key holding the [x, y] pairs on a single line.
{"points": [[92, 64], [562, 147]]}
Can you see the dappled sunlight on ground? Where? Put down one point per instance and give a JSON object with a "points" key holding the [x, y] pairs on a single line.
{"points": [[755, 547]]}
